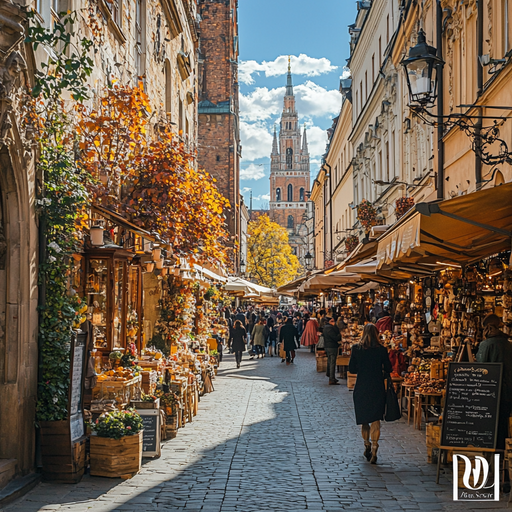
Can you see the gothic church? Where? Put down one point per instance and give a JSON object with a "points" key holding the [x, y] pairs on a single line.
{"points": [[289, 174]]}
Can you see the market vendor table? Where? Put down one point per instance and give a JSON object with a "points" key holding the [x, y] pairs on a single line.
{"points": [[422, 403], [342, 363], [407, 392]]}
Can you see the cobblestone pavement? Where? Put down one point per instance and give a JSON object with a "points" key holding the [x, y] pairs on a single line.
{"points": [[271, 437]]}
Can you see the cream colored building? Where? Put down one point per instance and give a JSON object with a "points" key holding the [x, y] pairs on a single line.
{"points": [[339, 164], [476, 40]]}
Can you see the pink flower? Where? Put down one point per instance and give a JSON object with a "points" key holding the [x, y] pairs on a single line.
{"points": [[128, 427], [97, 421]]}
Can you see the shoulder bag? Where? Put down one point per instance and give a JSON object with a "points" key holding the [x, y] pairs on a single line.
{"points": [[392, 406]]}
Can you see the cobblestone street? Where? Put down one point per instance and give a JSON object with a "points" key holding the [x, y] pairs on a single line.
{"points": [[271, 437]]}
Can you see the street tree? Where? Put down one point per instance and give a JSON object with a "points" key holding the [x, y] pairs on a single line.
{"points": [[271, 261]]}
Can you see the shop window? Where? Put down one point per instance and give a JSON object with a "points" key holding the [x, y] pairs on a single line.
{"points": [[278, 194], [140, 35], [290, 192], [290, 221], [180, 121], [168, 87]]}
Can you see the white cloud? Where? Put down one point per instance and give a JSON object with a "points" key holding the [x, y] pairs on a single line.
{"points": [[252, 172], [301, 65], [265, 197], [256, 141], [314, 100], [317, 139], [262, 104], [245, 189]]}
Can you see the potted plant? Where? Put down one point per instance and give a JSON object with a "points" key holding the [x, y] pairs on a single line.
{"points": [[116, 444], [367, 214]]}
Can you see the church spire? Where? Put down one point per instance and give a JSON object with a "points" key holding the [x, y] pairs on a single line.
{"points": [[304, 142], [289, 85], [275, 151]]}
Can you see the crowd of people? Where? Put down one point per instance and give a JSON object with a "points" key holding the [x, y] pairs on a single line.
{"points": [[279, 332]]}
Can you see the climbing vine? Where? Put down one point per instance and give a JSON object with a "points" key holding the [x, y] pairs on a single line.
{"points": [[61, 205]]}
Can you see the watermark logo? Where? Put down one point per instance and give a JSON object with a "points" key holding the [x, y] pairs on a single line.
{"points": [[478, 483]]}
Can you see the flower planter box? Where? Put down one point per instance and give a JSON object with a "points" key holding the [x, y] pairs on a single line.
{"points": [[116, 458]]}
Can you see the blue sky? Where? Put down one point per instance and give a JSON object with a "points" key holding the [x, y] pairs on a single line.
{"points": [[315, 35]]}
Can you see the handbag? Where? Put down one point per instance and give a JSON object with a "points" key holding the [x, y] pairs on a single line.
{"points": [[393, 412], [321, 343], [282, 351]]}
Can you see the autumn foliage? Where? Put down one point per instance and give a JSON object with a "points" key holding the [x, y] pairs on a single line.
{"points": [[271, 261], [144, 172]]}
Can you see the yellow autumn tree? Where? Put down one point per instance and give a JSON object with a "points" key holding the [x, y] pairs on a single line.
{"points": [[271, 261]]}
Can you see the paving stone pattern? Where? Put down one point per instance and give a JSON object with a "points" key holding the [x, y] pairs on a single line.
{"points": [[271, 437]]}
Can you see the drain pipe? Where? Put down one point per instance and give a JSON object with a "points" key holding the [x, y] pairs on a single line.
{"points": [[480, 83], [440, 104]]}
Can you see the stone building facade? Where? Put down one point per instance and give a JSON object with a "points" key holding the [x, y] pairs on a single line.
{"points": [[289, 174], [18, 253], [150, 41], [219, 148]]}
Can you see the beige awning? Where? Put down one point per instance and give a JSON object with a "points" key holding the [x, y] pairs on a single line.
{"points": [[327, 282], [459, 230]]}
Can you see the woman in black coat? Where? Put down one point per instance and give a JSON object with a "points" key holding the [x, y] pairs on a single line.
{"points": [[289, 335], [238, 339], [369, 360]]}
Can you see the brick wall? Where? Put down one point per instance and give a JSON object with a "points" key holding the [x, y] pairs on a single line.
{"points": [[218, 135]]}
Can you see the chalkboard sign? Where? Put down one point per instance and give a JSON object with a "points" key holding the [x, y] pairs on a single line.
{"points": [[77, 374], [76, 385], [151, 435], [470, 416]]}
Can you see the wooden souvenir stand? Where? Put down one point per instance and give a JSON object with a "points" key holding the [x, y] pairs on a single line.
{"points": [[63, 442], [470, 415]]}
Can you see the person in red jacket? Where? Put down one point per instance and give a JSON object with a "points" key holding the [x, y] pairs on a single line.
{"points": [[385, 323]]}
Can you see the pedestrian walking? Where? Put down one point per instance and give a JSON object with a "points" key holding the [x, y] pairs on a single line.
{"points": [[259, 336], [332, 338], [272, 335], [311, 333], [496, 348], [238, 339], [369, 359], [289, 336], [251, 319]]}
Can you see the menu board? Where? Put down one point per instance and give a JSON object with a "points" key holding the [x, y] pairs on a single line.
{"points": [[77, 374], [471, 407], [151, 434]]}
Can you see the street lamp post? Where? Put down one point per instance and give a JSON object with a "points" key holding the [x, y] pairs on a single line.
{"points": [[308, 257]]}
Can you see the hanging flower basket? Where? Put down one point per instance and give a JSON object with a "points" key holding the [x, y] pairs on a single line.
{"points": [[367, 214], [403, 205], [351, 242]]}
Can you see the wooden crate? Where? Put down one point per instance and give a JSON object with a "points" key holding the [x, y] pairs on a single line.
{"points": [[63, 460], [433, 439], [124, 389], [321, 363], [351, 380], [116, 458]]}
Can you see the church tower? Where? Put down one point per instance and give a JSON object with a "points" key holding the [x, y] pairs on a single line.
{"points": [[289, 173]]}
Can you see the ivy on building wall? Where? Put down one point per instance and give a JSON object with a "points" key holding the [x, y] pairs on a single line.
{"points": [[61, 204]]}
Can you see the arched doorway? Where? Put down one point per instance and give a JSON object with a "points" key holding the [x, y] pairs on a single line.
{"points": [[18, 316]]}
